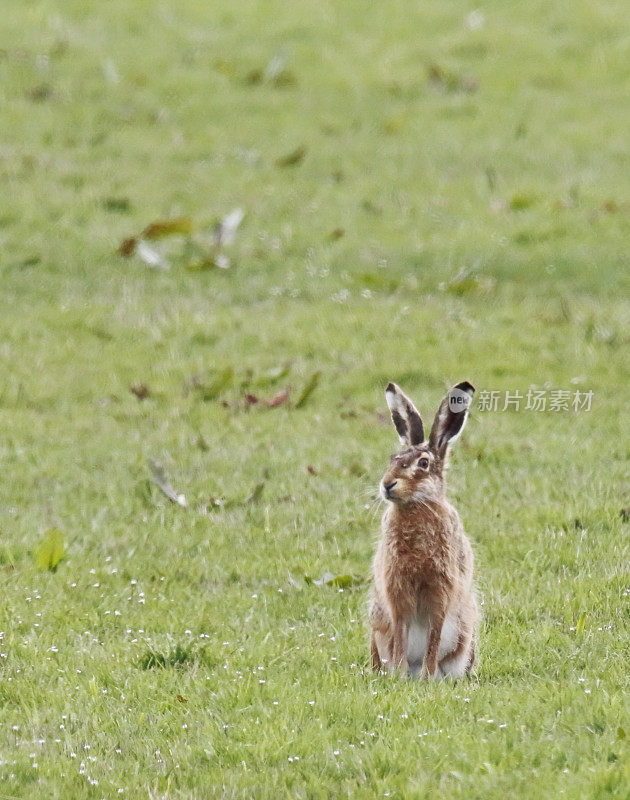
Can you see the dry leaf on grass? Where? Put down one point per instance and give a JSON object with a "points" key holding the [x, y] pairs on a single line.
{"points": [[128, 247], [279, 399], [158, 476], [308, 389], [447, 81], [257, 493], [195, 253], [293, 158], [151, 256], [337, 581], [140, 390], [225, 231], [167, 227], [51, 549]]}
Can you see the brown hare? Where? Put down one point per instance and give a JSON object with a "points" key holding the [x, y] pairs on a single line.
{"points": [[423, 614]]}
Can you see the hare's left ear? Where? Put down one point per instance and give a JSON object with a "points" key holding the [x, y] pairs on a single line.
{"points": [[451, 418], [405, 416]]}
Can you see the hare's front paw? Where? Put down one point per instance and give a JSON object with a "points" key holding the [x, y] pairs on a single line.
{"points": [[425, 675]]}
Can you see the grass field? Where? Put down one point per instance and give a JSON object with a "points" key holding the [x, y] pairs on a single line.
{"points": [[432, 192]]}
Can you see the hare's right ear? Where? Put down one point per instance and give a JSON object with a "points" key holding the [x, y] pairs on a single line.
{"points": [[451, 418], [405, 416]]}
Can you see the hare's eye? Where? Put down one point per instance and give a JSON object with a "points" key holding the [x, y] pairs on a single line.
{"points": [[423, 463]]}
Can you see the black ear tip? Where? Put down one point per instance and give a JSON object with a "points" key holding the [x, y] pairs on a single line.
{"points": [[391, 387], [464, 386]]}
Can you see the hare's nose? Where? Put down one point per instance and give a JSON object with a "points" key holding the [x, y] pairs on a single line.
{"points": [[389, 487]]}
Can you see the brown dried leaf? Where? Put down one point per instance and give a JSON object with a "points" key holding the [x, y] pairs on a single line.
{"points": [[141, 390], [254, 76], [41, 93], [128, 247], [280, 399], [293, 158], [167, 227]]}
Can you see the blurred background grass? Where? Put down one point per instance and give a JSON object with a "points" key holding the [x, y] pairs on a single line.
{"points": [[455, 206]]}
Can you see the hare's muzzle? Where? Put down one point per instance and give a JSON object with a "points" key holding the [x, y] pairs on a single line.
{"points": [[387, 489]]}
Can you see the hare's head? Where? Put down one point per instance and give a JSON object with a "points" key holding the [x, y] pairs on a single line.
{"points": [[415, 475]]}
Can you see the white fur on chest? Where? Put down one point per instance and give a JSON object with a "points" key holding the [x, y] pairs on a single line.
{"points": [[419, 634], [417, 640]]}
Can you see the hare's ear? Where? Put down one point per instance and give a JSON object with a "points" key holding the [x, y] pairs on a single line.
{"points": [[451, 418], [405, 416]]}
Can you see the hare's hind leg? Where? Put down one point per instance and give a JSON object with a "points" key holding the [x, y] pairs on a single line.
{"points": [[455, 665], [376, 656], [471, 658], [381, 638], [459, 662]]}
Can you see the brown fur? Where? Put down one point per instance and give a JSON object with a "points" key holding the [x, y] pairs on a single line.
{"points": [[423, 567]]}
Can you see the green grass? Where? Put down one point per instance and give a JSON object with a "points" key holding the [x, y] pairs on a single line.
{"points": [[479, 178]]}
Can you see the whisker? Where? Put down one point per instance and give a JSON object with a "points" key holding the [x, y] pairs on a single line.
{"points": [[376, 504], [424, 504]]}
